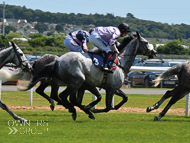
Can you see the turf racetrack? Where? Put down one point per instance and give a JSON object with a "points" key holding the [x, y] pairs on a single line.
{"points": [[57, 126]]}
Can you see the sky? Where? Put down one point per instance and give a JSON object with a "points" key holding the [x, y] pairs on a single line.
{"points": [[164, 11]]}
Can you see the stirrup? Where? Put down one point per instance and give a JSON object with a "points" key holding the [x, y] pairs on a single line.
{"points": [[107, 69]]}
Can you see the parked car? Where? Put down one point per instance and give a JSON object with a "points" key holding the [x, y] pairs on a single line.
{"points": [[31, 58], [137, 60], [173, 63], [144, 79]]}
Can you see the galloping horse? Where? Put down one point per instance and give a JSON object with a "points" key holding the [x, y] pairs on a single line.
{"points": [[38, 65], [139, 46], [13, 54], [183, 72], [74, 69]]}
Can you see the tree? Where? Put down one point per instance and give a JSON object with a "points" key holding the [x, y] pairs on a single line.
{"points": [[173, 47], [4, 41], [130, 15], [40, 27], [59, 27], [36, 35], [12, 35], [178, 36], [9, 28]]}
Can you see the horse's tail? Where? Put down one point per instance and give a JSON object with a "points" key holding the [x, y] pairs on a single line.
{"points": [[31, 84], [45, 73], [9, 75], [175, 70]]}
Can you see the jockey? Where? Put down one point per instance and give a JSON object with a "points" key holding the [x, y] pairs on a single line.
{"points": [[104, 39], [77, 41]]}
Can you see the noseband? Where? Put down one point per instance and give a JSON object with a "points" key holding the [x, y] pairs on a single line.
{"points": [[22, 62]]}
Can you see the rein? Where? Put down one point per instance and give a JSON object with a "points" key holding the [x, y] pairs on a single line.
{"points": [[18, 57]]}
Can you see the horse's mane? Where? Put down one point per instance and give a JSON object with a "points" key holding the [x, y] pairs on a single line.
{"points": [[4, 48], [125, 41]]}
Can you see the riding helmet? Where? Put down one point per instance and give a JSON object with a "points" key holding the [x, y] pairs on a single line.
{"points": [[124, 27]]}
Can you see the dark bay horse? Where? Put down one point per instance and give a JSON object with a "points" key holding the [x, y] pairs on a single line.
{"points": [[13, 54], [183, 73]]}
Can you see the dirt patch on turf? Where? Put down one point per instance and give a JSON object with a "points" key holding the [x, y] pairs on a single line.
{"points": [[122, 109]]}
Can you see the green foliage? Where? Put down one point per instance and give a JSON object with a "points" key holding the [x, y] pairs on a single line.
{"points": [[145, 27], [59, 27], [4, 41], [173, 47], [40, 41], [40, 27], [178, 36], [12, 35], [9, 28], [36, 35], [45, 41]]}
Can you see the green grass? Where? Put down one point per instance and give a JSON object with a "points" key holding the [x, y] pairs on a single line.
{"points": [[108, 127], [58, 125], [20, 98]]}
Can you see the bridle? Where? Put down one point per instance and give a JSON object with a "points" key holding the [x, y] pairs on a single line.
{"points": [[123, 55], [22, 63]]}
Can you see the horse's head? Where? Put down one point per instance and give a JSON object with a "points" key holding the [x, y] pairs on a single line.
{"points": [[145, 48], [20, 59]]}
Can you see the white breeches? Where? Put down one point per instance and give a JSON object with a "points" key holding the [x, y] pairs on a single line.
{"points": [[98, 42], [68, 44]]}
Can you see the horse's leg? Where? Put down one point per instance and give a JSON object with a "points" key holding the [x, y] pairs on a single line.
{"points": [[74, 101], [80, 95], [173, 100], [54, 93], [167, 95], [63, 95], [40, 90], [109, 97], [119, 92], [94, 91], [16, 117]]}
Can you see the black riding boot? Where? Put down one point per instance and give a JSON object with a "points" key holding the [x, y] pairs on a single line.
{"points": [[105, 67]]}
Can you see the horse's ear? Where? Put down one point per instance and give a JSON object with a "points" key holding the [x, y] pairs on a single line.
{"points": [[13, 44], [138, 35], [10, 43]]}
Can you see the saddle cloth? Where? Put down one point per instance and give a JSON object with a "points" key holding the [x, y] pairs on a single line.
{"points": [[98, 61]]}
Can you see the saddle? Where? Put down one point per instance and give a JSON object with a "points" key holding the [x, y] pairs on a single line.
{"points": [[98, 59]]}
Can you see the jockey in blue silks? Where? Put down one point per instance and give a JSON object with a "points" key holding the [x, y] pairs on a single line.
{"points": [[77, 41], [104, 38]]}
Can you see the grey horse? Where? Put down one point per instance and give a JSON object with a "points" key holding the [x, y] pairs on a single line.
{"points": [[139, 42], [38, 65], [183, 73], [74, 69], [13, 54], [54, 82]]}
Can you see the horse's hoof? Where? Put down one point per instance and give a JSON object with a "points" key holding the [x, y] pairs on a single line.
{"points": [[91, 116], [22, 120], [52, 107], [74, 116], [87, 107], [148, 109], [156, 119]]}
